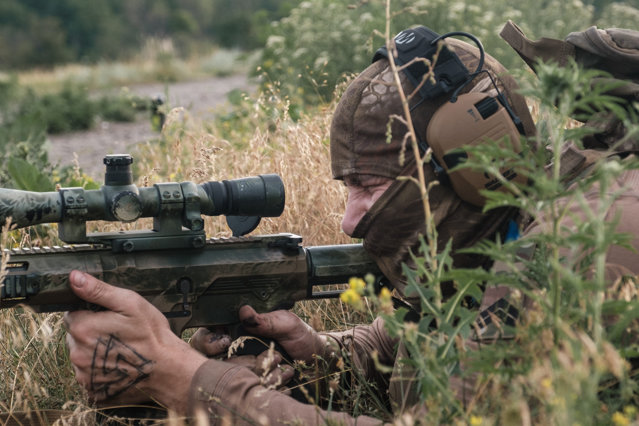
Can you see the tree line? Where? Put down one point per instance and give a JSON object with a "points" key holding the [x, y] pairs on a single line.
{"points": [[44, 33]]}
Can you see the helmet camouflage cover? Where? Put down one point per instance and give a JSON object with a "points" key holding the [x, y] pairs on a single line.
{"points": [[360, 145]]}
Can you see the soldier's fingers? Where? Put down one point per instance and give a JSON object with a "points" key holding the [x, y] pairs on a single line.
{"points": [[210, 342], [278, 377], [267, 361], [91, 289], [275, 325]]}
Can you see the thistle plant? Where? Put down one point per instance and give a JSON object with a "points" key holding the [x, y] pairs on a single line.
{"points": [[566, 357]]}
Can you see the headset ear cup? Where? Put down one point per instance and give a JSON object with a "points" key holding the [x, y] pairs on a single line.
{"points": [[473, 118]]}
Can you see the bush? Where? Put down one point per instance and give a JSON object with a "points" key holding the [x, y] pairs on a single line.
{"points": [[119, 108], [70, 109], [21, 136], [26, 118], [310, 51]]}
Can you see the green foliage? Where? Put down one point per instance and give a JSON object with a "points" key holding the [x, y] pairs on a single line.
{"points": [[28, 177], [566, 363], [74, 177], [26, 118], [69, 109], [267, 111], [43, 33], [309, 51], [120, 108], [20, 137], [320, 42], [234, 27]]}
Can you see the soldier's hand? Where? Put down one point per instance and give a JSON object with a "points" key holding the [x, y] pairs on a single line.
{"points": [[127, 353], [297, 338], [215, 342], [269, 367]]}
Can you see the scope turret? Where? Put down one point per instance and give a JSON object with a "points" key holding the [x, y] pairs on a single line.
{"points": [[118, 170]]}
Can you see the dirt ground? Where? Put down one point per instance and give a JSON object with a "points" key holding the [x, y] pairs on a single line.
{"points": [[200, 98]]}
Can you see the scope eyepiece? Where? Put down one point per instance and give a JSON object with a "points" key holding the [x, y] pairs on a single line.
{"points": [[261, 195]]}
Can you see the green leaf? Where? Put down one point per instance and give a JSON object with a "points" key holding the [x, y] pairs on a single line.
{"points": [[28, 177]]}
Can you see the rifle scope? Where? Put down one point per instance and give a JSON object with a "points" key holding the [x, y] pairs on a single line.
{"points": [[120, 200]]}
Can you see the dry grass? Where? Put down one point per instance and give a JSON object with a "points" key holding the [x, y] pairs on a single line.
{"points": [[34, 368], [157, 62]]}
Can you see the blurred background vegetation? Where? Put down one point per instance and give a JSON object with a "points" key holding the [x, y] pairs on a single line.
{"points": [[42, 33], [63, 64], [301, 49]]}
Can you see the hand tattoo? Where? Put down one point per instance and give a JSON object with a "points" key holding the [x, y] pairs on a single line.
{"points": [[116, 367]]}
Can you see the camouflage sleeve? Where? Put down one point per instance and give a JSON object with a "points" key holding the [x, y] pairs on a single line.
{"points": [[224, 393], [365, 344]]}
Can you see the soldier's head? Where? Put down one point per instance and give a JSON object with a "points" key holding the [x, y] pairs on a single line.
{"points": [[369, 151]]}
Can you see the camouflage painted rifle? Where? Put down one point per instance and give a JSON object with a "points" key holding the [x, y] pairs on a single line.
{"points": [[193, 280]]}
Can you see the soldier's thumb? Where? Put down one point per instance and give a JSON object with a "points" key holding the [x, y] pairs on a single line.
{"points": [[256, 323], [92, 290]]}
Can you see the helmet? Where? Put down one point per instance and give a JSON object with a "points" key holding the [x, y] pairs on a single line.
{"points": [[471, 100], [361, 143]]}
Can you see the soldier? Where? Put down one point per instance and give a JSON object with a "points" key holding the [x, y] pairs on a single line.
{"points": [[381, 211], [386, 212]]}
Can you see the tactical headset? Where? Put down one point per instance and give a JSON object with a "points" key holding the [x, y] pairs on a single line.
{"points": [[466, 119]]}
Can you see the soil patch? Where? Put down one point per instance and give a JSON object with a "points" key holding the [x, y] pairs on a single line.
{"points": [[201, 98]]}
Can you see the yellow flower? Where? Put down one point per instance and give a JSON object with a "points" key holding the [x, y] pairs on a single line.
{"points": [[384, 295], [619, 419], [385, 302], [630, 410], [357, 284], [350, 297], [475, 420], [546, 383]]}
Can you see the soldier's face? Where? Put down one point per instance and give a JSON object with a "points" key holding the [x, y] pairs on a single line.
{"points": [[363, 191]]}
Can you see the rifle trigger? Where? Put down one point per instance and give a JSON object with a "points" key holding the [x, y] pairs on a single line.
{"points": [[184, 287]]}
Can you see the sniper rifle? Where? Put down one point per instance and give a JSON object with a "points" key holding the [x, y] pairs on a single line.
{"points": [[192, 280]]}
